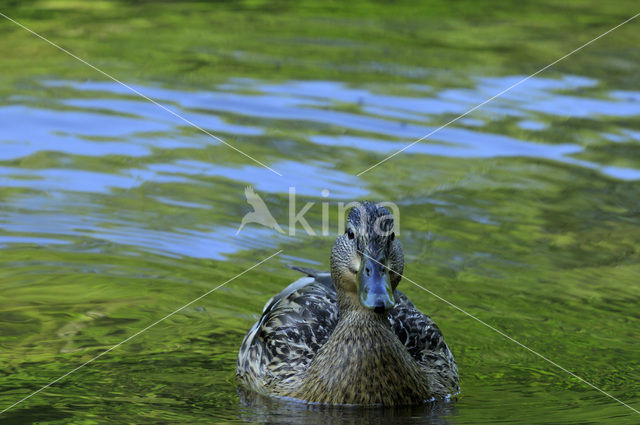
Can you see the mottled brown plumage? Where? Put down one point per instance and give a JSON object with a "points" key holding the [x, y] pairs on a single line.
{"points": [[334, 338]]}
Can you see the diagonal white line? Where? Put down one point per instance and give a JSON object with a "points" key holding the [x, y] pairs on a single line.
{"points": [[138, 333], [505, 335], [191, 123], [479, 105]]}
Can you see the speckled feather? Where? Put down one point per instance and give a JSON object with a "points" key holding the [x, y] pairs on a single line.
{"points": [[276, 354]]}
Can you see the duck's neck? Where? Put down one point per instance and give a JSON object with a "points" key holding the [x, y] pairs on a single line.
{"points": [[363, 362]]}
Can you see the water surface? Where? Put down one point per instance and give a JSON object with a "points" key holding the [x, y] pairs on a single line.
{"points": [[114, 213]]}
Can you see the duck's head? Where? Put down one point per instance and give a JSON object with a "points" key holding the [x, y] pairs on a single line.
{"points": [[367, 260]]}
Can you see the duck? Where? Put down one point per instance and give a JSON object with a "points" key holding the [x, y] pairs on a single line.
{"points": [[348, 336]]}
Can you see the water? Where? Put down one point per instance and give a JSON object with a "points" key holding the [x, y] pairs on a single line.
{"points": [[114, 213]]}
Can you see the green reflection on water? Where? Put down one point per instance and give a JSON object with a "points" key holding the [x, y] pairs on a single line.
{"points": [[545, 251]]}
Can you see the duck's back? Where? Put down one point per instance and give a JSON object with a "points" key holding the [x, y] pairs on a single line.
{"points": [[298, 321], [293, 327], [425, 342]]}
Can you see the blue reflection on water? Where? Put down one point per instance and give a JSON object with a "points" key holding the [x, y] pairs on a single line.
{"points": [[104, 119]]}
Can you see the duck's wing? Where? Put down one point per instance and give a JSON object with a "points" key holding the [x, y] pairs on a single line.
{"points": [[320, 276], [424, 341], [294, 325]]}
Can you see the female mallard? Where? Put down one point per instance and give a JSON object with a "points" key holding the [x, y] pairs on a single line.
{"points": [[349, 337]]}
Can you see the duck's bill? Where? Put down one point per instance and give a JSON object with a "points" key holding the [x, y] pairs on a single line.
{"points": [[375, 287]]}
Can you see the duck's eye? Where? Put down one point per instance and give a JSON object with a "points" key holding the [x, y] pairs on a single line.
{"points": [[350, 233]]}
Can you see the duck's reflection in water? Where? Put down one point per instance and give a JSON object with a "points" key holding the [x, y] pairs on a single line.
{"points": [[256, 408]]}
